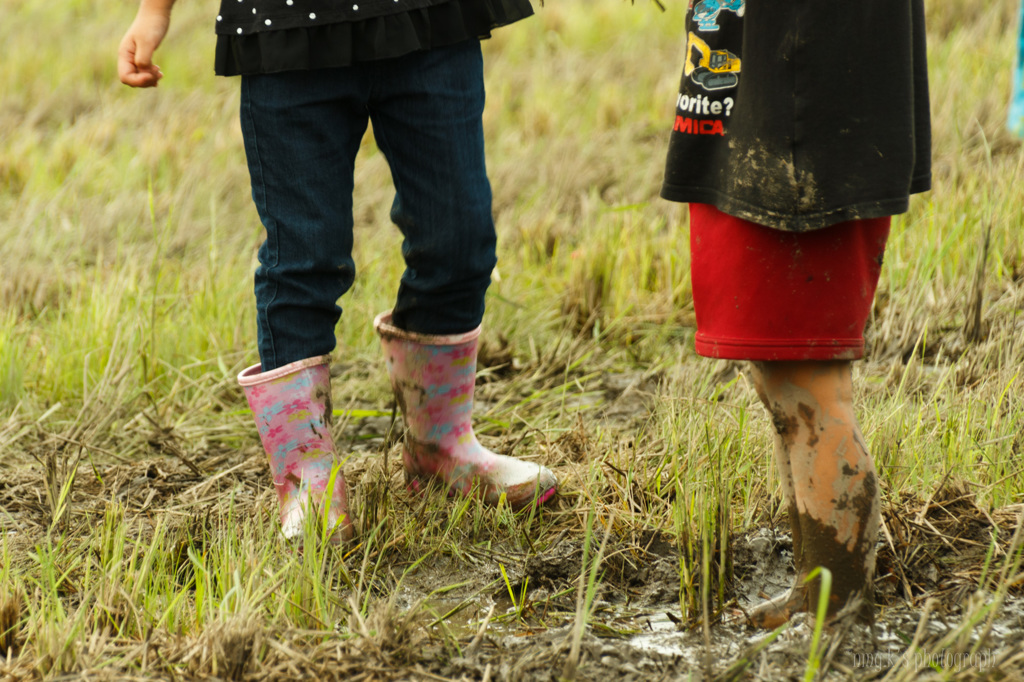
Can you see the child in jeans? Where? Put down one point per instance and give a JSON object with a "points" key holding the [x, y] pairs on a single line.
{"points": [[313, 74], [801, 126]]}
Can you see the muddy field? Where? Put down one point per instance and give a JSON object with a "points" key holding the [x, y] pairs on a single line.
{"points": [[492, 608]]}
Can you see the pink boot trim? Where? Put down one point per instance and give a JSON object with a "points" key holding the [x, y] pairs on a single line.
{"points": [[433, 377], [292, 409], [382, 323], [253, 376]]}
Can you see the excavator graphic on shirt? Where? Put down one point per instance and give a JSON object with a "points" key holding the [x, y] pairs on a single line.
{"points": [[712, 69], [706, 12]]}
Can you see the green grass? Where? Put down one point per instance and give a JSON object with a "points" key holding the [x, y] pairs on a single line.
{"points": [[129, 242]]}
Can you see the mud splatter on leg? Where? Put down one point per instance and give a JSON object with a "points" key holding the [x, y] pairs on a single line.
{"points": [[829, 480], [773, 613]]}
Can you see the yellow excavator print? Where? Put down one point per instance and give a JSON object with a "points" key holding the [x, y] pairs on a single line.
{"points": [[715, 69]]}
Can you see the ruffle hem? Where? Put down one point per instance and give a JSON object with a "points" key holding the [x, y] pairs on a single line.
{"points": [[348, 43]]}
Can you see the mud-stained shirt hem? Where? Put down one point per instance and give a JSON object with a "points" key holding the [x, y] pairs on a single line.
{"points": [[789, 222]]}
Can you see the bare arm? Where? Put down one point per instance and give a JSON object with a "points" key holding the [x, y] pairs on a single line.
{"points": [[135, 56]]}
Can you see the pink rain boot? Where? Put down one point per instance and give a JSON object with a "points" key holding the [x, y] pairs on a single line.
{"points": [[433, 379], [292, 407]]}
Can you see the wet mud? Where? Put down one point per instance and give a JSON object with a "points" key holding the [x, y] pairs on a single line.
{"points": [[500, 613], [636, 631]]}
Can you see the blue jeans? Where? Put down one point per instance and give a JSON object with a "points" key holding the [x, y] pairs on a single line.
{"points": [[302, 131]]}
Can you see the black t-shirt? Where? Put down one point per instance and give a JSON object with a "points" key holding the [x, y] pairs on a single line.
{"points": [[797, 114]]}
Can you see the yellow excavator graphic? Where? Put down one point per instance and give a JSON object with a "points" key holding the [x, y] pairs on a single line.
{"points": [[715, 70]]}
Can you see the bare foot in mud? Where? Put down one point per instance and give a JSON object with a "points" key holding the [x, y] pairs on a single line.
{"points": [[778, 611]]}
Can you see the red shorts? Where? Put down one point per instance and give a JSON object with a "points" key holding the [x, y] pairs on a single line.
{"points": [[765, 294]]}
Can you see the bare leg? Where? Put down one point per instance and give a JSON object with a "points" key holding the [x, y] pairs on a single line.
{"points": [[828, 479], [777, 611]]}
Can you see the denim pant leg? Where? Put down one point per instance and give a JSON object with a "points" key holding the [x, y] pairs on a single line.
{"points": [[426, 110], [302, 131]]}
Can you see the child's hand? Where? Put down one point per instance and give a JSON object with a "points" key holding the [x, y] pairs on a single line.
{"points": [[135, 56]]}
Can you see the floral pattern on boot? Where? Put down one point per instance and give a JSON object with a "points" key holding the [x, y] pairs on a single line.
{"points": [[433, 378], [292, 409]]}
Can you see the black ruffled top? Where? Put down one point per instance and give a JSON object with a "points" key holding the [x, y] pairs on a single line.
{"points": [[270, 36]]}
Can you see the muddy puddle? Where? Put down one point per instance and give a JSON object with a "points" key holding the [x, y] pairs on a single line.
{"points": [[638, 631]]}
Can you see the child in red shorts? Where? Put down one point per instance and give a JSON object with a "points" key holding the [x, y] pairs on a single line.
{"points": [[801, 127]]}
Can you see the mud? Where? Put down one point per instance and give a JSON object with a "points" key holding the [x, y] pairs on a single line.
{"points": [[323, 396], [823, 547], [469, 627], [636, 631], [807, 414]]}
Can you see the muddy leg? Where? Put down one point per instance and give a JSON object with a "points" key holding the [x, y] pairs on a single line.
{"points": [[833, 492], [777, 611]]}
